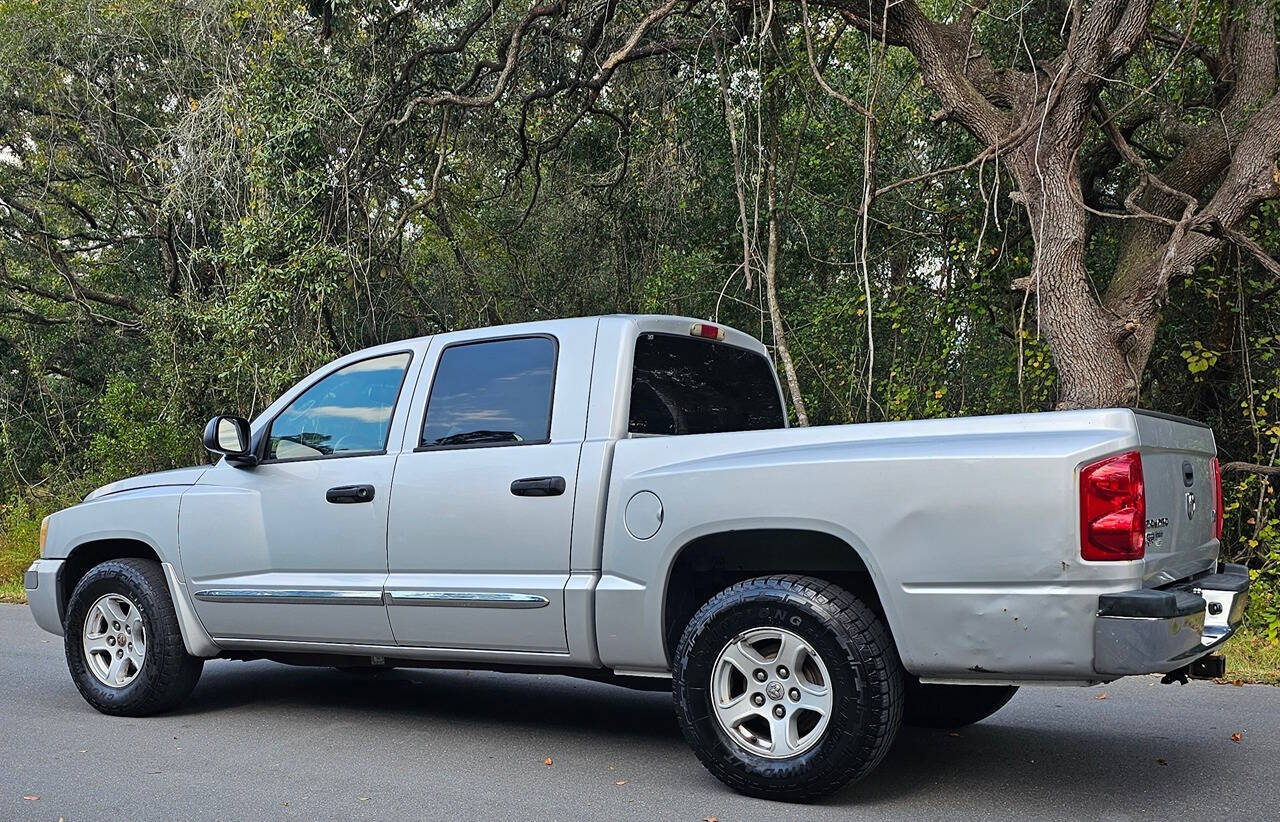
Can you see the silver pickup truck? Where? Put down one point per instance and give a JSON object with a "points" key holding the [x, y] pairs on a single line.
{"points": [[620, 498]]}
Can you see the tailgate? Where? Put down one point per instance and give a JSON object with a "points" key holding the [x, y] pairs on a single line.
{"points": [[1176, 454]]}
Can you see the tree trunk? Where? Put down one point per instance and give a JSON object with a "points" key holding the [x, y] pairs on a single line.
{"points": [[1092, 370], [775, 309]]}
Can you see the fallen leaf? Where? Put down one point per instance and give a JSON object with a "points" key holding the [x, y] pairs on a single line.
{"points": [[1162, 762], [952, 733], [364, 799], [547, 762], [620, 782], [1239, 683], [710, 819], [1237, 736], [31, 797], [1100, 696]]}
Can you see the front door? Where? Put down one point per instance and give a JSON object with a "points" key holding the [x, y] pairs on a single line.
{"points": [[295, 547], [481, 513]]}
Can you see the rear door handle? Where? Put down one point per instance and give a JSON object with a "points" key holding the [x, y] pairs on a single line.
{"points": [[347, 494], [538, 487]]}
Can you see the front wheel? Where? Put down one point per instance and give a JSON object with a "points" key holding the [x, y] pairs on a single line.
{"points": [[124, 648], [787, 687]]}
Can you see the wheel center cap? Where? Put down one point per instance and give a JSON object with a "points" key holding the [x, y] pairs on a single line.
{"points": [[774, 690], [120, 640]]}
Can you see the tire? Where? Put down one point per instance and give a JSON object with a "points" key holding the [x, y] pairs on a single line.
{"points": [[854, 651], [167, 673], [952, 706]]}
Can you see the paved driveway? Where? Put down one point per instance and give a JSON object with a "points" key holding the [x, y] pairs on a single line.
{"points": [[265, 741]]}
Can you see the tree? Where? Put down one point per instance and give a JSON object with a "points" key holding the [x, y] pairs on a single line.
{"points": [[1031, 121], [1038, 120], [201, 203]]}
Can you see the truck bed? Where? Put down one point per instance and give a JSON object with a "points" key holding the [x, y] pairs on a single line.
{"points": [[969, 529]]}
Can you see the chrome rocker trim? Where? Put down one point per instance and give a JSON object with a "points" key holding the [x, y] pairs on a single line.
{"points": [[300, 597], [466, 599]]}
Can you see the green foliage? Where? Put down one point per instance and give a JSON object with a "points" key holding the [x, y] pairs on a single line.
{"points": [[226, 172], [19, 545], [134, 434], [1252, 658]]}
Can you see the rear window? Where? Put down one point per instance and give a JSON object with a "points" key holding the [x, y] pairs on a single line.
{"points": [[684, 385]]}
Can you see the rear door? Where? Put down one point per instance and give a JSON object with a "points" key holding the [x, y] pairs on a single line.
{"points": [[1180, 494], [482, 508]]}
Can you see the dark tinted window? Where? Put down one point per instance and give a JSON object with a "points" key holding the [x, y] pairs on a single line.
{"points": [[347, 412], [683, 385], [491, 392]]}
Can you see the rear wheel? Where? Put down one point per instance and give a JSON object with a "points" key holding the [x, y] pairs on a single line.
{"points": [[952, 706], [787, 687], [123, 645]]}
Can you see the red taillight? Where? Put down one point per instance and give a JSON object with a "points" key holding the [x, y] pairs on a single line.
{"points": [[1113, 509], [1215, 472], [707, 331]]}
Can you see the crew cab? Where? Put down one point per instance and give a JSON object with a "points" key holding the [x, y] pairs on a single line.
{"points": [[621, 498]]}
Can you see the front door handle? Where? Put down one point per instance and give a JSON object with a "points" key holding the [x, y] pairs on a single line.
{"points": [[347, 494], [538, 487]]}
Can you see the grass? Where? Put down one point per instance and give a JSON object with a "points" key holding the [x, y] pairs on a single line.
{"points": [[12, 564], [11, 591], [19, 545], [1251, 658]]}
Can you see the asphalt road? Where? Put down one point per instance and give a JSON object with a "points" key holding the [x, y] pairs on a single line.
{"points": [[265, 741]]}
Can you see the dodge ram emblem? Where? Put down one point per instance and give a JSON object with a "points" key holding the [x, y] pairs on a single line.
{"points": [[1191, 505]]}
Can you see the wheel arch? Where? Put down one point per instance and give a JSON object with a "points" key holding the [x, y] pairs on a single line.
{"points": [[711, 562], [85, 555], [93, 552]]}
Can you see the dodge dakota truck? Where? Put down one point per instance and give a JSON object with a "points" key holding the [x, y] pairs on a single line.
{"points": [[621, 498]]}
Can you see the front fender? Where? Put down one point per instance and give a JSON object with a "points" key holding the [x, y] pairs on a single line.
{"points": [[144, 516], [147, 515]]}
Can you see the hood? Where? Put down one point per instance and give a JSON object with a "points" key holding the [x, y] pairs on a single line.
{"points": [[178, 476]]}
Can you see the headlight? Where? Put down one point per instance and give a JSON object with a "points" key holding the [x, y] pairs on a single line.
{"points": [[44, 533]]}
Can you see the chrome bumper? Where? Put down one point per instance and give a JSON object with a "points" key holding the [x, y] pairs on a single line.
{"points": [[41, 584], [1154, 631]]}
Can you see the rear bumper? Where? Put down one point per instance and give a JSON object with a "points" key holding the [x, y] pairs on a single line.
{"points": [[1158, 630], [41, 584]]}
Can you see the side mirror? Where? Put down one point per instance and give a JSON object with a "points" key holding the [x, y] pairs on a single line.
{"points": [[229, 436]]}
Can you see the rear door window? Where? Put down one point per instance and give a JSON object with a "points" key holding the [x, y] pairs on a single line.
{"points": [[495, 392], [685, 385]]}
